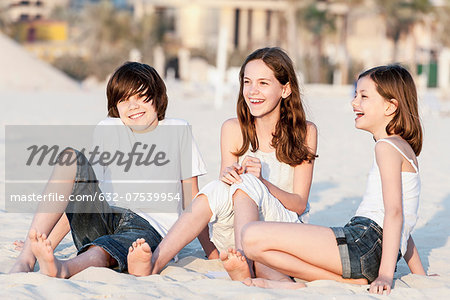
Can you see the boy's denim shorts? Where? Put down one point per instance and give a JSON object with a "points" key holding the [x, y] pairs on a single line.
{"points": [[360, 244], [96, 223]]}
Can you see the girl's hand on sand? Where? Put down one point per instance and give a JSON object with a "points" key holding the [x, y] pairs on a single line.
{"points": [[18, 245], [252, 165], [381, 284], [231, 174]]}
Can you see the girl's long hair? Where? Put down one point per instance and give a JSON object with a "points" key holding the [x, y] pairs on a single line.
{"points": [[290, 131], [395, 82]]}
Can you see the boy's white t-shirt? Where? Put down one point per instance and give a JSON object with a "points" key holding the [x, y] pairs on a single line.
{"points": [[170, 156]]}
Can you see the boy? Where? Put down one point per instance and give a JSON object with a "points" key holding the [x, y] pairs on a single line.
{"points": [[140, 174]]}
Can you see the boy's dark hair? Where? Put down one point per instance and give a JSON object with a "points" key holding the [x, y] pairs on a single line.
{"points": [[135, 78]]}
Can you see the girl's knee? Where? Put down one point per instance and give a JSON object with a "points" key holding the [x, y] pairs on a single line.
{"points": [[200, 201], [201, 204], [240, 195], [251, 238], [251, 188]]}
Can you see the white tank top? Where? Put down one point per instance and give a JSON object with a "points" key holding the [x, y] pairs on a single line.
{"points": [[372, 205], [278, 173]]}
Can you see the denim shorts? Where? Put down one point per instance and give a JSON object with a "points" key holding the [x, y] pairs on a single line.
{"points": [[360, 244], [96, 223]]}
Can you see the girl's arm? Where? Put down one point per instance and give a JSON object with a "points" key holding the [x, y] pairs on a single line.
{"points": [[412, 258], [230, 141], [303, 175], [389, 163]]}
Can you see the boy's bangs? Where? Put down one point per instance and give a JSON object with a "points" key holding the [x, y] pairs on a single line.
{"points": [[137, 88]]}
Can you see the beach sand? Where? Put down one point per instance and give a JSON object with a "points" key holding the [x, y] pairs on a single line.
{"points": [[345, 157]]}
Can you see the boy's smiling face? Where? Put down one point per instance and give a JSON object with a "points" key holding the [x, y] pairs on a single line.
{"points": [[137, 114]]}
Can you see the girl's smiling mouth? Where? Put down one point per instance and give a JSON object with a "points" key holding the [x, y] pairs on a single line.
{"points": [[359, 114], [256, 101]]}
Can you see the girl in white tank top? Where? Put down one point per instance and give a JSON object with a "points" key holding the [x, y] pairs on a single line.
{"points": [[367, 249], [267, 162]]}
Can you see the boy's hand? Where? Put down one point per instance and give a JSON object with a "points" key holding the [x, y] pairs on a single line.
{"points": [[252, 165], [382, 283], [231, 174]]}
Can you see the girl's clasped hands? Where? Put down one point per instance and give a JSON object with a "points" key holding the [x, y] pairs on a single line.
{"points": [[250, 165]]}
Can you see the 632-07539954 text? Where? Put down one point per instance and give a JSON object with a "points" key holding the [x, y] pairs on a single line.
{"points": [[114, 197]]}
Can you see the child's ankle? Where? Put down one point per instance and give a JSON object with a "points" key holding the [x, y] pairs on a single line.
{"points": [[23, 265]]}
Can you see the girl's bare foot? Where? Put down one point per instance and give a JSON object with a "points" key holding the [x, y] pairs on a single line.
{"points": [[235, 264], [43, 251], [21, 266], [139, 258], [18, 245], [273, 284]]}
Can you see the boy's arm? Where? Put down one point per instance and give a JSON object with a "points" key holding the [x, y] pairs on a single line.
{"points": [[412, 258], [190, 189]]}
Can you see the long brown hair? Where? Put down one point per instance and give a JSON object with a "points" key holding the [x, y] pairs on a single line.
{"points": [[290, 130], [395, 82]]}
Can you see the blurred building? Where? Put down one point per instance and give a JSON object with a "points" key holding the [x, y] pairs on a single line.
{"points": [[34, 27], [81, 4], [221, 31], [41, 30], [249, 23], [29, 10]]}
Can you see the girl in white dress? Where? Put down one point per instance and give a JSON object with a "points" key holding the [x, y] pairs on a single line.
{"points": [[268, 154]]}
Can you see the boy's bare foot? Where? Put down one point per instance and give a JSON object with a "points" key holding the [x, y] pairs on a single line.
{"points": [[139, 258], [273, 284], [42, 249], [235, 264]]}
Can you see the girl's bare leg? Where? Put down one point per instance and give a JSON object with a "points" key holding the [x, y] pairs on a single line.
{"points": [[211, 251], [51, 266], [185, 230], [48, 214], [246, 211], [61, 229], [304, 251]]}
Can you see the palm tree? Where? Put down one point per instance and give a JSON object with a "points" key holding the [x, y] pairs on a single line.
{"points": [[442, 16], [342, 10], [109, 35], [401, 16], [319, 22]]}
